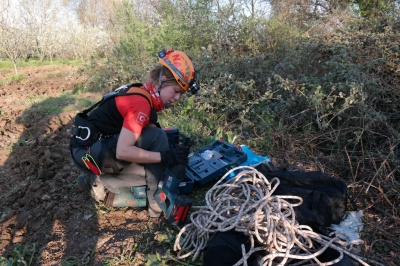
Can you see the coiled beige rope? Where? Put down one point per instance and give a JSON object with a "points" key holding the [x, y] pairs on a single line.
{"points": [[245, 203]]}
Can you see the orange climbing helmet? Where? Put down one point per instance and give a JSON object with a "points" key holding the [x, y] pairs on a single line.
{"points": [[181, 67]]}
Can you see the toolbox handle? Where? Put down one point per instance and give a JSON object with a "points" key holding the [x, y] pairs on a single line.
{"points": [[224, 148]]}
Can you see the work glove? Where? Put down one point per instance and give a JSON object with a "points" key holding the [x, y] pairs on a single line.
{"points": [[178, 170], [178, 155]]}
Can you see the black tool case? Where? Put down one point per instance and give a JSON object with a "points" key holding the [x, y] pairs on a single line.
{"points": [[213, 161]]}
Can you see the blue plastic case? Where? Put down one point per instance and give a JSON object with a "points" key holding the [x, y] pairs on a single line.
{"points": [[214, 161]]}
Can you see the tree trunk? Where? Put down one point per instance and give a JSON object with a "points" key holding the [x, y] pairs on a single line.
{"points": [[15, 67]]}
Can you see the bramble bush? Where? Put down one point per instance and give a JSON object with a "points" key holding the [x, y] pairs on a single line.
{"points": [[333, 99]]}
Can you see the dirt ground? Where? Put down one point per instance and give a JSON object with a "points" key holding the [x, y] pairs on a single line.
{"points": [[42, 208]]}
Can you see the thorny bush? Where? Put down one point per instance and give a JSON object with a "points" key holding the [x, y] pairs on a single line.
{"points": [[334, 101]]}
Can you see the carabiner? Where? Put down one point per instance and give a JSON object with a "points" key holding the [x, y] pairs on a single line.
{"points": [[88, 135], [123, 87]]}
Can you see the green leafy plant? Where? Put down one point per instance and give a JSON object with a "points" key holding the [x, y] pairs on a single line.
{"points": [[20, 255], [167, 259], [127, 256]]}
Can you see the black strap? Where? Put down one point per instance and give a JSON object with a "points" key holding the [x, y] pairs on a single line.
{"points": [[121, 91], [132, 89]]}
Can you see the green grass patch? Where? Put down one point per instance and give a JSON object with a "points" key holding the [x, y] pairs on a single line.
{"points": [[39, 107], [36, 62], [54, 106], [21, 255], [8, 65], [57, 75], [127, 256], [80, 88], [12, 79], [50, 106], [83, 103]]}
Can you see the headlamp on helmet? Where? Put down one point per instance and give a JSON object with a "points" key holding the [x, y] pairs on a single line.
{"points": [[181, 67]]}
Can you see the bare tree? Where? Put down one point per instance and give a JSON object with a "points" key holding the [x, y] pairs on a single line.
{"points": [[41, 18], [13, 43], [93, 13], [309, 8], [4, 5]]}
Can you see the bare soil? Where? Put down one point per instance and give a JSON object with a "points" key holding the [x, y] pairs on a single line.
{"points": [[42, 208]]}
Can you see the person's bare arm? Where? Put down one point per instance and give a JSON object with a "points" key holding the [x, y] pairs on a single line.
{"points": [[128, 152]]}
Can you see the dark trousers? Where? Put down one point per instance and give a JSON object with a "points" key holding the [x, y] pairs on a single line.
{"points": [[103, 152]]}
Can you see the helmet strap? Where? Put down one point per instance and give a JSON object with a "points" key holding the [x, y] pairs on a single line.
{"points": [[160, 82]]}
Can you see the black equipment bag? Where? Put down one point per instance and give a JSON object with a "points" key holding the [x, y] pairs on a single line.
{"points": [[324, 203], [324, 197], [225, 249]]}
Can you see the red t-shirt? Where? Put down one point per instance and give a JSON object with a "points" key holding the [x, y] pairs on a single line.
{"points": [[135, 111]]}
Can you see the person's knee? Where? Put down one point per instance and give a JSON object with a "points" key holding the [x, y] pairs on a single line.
{"points": [[153, 139]]}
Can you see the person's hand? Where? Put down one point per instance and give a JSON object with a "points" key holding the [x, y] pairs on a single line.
{"points": [[178, 155], [178, 170]]}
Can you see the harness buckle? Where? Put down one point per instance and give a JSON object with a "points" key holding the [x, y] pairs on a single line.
{"points": [[123, 87], [88, 134]]}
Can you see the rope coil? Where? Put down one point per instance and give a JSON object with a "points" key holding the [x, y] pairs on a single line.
{"points": [[245, 203]]}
